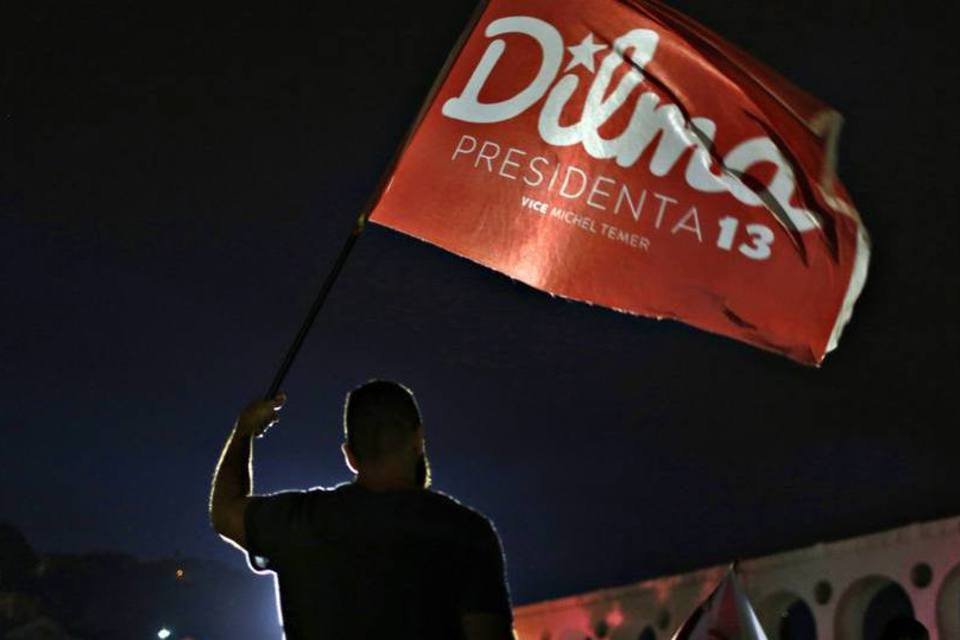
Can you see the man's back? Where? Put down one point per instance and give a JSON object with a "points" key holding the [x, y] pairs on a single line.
{"points": [[357, 563]]}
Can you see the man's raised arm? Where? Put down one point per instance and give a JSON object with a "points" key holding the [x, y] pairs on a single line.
{"points": [[233, 478]]}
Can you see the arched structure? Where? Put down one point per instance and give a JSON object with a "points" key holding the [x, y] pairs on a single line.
{"points": [[866, 607], [784, 615], [841, 590], [948, 605]]}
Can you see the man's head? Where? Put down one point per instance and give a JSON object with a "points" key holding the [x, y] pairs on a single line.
{"points": [[384, 434]]}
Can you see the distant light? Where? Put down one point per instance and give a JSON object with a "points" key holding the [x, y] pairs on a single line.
{"points": [[615, 618], [163, 634], [179, 574]]}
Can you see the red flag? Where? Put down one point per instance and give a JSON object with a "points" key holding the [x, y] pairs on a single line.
{"points": [[725, 615], [618, 153]]}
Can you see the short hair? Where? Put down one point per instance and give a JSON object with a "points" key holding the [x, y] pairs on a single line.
{"points": [[378, 417]]}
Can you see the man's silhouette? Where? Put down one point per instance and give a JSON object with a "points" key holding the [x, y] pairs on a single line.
{"points": [[380, 557]]}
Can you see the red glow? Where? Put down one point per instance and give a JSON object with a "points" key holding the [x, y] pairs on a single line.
{"points": [[615, 618]]}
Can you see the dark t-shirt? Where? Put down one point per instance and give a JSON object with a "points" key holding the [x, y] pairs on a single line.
{"points": [[354, 563]]}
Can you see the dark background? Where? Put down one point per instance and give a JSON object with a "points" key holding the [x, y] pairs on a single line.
{"points": [[174, 183]]}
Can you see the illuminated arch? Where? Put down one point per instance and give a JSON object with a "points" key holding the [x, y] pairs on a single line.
{"points": [[948, 605], [853, 606], [774, 610]]}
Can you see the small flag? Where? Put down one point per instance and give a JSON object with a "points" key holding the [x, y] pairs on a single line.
{"points": [[725, 615], [618, 153]]}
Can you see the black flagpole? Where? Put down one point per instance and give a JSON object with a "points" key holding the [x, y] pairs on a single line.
{"points": [[362, 219], [294, 348]]}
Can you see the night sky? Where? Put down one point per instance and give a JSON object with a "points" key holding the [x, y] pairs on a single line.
{"points": [[174, 184]]}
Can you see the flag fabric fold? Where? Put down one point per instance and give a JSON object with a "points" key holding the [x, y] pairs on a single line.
{"points": [[618, 153], [726, 614]]}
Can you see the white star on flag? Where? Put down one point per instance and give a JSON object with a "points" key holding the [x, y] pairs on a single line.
{"points": [[584, 52]]}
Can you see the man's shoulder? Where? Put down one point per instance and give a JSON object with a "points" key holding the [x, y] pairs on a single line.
{"points": [[463, 514], [434, 508]]}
